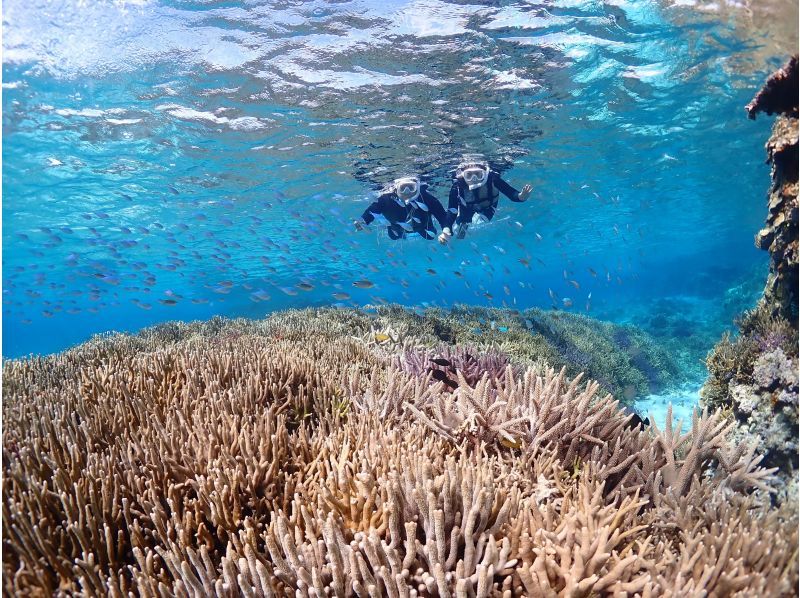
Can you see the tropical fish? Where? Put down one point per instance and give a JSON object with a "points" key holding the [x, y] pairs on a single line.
{"points": [[304, 286], [364, 284], [381, 337], [441, 361], [567, 302], [512, 443], [442, 377], [575, 284], [341, 296]]}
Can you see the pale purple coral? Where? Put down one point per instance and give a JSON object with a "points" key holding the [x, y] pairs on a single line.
{"points": [[443, 363], [775, 370]]}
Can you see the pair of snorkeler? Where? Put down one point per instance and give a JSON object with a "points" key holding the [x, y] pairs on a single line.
{"points": [[408, 207]]}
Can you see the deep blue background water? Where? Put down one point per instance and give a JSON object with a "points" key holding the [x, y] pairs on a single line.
{"points": [[177, 160]]}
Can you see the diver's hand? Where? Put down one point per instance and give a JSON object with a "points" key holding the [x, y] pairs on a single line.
{"points": [[525, 193], [358, 224], [445, 236]]}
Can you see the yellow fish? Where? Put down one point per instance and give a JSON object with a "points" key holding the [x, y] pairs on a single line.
{"points": [[511, 443], [382, 338]]}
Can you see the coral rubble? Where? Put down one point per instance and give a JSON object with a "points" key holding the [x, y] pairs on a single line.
{"points": [[755, 376], [318, 453]]}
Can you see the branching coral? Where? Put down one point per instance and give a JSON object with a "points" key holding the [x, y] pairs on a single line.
{"points": [[237, 458]]}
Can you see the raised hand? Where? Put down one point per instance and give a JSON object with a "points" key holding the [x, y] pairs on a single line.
{"points": [[525, 193]]}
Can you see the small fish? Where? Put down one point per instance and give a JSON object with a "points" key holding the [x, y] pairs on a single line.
{"points": [[341, 296], [567, 302], [553, 296], [538, 237], [441, 377], [381, 337], [167, 301], [441, 361], [512, 443], [592, 272], [365, 284], [304, 286], [575, 284]]}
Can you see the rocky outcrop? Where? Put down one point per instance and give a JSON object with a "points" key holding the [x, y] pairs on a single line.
{"points": [[779, 236], [755, 375]]}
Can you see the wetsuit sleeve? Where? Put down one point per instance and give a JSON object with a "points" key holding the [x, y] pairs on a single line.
{"points": [[436, 208], [506, 189], [374, 208], [452, 205]]}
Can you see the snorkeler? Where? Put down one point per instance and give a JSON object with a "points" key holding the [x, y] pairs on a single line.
{"points": [[474, 196], [408, 208]]}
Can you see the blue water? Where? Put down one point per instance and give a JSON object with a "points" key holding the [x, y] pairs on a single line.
{"points": [[178, 160]]}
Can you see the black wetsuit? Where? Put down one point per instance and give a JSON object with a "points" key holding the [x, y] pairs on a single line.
{"points": [[464, 204], [414, 217]]}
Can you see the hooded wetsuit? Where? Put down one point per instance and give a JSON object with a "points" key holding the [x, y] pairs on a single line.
{"points": [[415, 216], [464, 204]]}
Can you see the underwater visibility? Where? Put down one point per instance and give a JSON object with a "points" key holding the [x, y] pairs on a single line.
{"points": [[405, 298]]}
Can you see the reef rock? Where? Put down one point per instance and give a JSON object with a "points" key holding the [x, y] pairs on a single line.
{"points": [[779, 236], [755, 375]]}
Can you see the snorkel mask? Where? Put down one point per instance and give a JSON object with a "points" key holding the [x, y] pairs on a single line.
{"points": [[475, 174], [407, 188]]}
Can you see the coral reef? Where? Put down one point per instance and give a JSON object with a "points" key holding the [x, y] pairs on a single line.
{"points": [[779, 237], [625, 360], [755, 375], [304, 455]]}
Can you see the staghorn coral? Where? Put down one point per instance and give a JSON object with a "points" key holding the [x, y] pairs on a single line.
{"points": [[446, 364], [238, 458]]}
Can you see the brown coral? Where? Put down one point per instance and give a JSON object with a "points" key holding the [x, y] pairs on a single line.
{"points": [[236, 458]]}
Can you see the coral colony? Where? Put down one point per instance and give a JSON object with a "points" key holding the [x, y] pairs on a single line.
{"points": [[339, 452]]}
